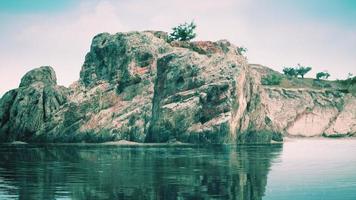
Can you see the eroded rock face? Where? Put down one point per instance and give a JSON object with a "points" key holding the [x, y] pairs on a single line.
{"points": [[194, 95], [26, 109], [136, 86], [304, 111], [300, 112]]}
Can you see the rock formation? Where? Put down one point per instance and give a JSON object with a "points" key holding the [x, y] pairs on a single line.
{"points": [[136, 86], [25, 110]]}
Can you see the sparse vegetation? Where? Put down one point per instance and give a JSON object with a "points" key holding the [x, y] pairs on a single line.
{"points": [[321, 84], [322, 75], [271, 79], [183, 32]]}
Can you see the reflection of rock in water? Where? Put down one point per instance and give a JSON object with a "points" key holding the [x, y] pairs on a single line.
{"points": [[253, 179], [92, 172]]}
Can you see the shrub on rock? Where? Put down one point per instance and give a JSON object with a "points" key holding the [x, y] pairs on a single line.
{"points": [[183, 32]]}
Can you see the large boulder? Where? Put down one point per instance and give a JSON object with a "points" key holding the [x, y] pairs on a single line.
{"points": [[23, 111]]}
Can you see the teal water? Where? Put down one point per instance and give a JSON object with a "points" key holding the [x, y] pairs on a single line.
{"points": [[299, 169]]}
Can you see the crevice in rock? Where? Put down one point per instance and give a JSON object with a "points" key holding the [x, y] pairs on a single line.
{"points": [[44, 104], [244, 87], [334, 118]]}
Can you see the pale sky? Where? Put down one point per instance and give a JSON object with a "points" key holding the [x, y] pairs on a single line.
{"points": [[277, 33]]}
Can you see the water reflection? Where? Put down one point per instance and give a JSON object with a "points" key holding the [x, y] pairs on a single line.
{"points": [[112, 172]]}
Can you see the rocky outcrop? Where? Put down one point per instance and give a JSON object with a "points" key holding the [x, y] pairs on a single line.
{"points": [[113, 98], [23, 111], [138, 87], [303, 111]]}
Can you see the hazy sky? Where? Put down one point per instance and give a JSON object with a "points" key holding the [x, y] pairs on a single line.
{"points": [[277, 33]]}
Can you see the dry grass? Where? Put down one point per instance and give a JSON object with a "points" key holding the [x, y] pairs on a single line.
{"points": [[292, 82]]}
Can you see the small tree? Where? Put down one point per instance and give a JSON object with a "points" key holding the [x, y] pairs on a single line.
{"points": [[301, 70], [183, 32], [322, 75], [290, 71]]}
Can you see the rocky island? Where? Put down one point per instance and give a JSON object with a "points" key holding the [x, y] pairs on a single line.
{"points": [[140, 87]]}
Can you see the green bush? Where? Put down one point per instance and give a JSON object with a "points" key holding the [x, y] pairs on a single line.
{"points": [[322, 75], [348, 82], [271, 79], [183, 32]]}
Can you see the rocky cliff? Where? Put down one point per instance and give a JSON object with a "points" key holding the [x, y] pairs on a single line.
{"points": [[304, 111], [136, 86]]}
